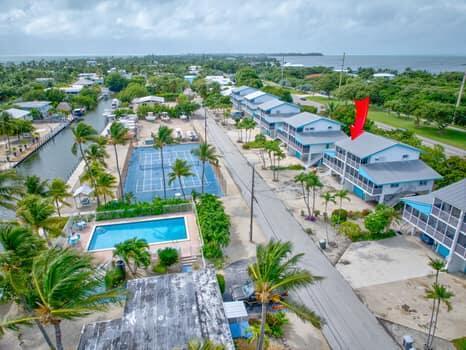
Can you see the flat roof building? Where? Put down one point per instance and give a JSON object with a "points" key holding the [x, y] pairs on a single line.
{"points": [[164, 313], [16, 113]]}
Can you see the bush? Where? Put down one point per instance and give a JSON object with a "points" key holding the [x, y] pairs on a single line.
{"points": [[376, 222], [168, 256], [221, 282], [295, 167], [351, 230], [276, 321], [114, 278], [159, 269], [339, 216], [365, 212]]}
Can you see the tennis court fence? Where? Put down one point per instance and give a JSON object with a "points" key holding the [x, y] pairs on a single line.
{"points": [[167, 164]]}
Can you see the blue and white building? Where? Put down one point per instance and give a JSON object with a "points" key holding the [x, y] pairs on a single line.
{"points": [[307, 136], [250, 102], [272, 113], [237, 95], [439, 218], [42, 106], [379, 169]]}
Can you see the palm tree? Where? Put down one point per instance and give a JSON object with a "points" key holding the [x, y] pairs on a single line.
{"points": [[274, 272], [96, 153], [161, 139], [342, 194], [20, 246], [302, 179], [313, 182], [205, 153], [105, 184], [331, 108], [278, 155], [36, 212], [328, 197], [6, 126], [134, 252], [59, 192], [65, 284], [10, 188], [91, 173], [206, 345], [34, 185], [438, 265], [118, 135], [440, 295], [180, 169]]}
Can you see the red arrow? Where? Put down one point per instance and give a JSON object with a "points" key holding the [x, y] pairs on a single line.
{"points": [[362, 108]]}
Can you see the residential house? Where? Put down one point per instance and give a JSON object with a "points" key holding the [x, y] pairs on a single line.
{"points": [[219, 79], [41, 106], [439, 218], [307, 136], [72, 90], [273, 112], [164, 313], [379, 169], [92, 77], [146, 101], [16, 113], [237, 95]]}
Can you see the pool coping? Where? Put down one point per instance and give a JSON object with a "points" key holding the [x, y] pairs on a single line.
{"points": [[188, 235]]}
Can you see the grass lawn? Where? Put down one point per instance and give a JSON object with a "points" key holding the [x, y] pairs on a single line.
{"points": [[460, 343], [451, 137]]}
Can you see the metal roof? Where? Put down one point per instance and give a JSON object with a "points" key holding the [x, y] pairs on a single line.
{"points": [[254, 95], [423, 198], [271, 104], [304, 118], [32, 104], [320, 137], [164, 313], [147, 99], [17, 113], [401, 171], [368, 144], [454, 194], [235, 309]]}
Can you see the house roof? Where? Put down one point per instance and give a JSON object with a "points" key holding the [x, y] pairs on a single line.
{"points": [[401, 171], [32, 104], [254, 95], [454, 194], [304, 118], [422, 199], [84, 82], [17, 113], [368, 144], [164, 313], [268, 105], [320, 137], [147, 99]]}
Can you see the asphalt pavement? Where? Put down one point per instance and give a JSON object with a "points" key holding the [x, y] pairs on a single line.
{"points": [[349, 325]]}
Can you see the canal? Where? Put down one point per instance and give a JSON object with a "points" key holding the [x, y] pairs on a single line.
{"points": [[55, 159]]}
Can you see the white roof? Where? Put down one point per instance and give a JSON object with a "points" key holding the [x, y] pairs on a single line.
{"points": [[235, 309], [33, 104], [17, 113], [254, 95], [83, 189], [383, 75], [148, 99]]}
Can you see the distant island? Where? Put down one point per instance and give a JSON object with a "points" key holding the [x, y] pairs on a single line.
{"points": [[297, 54]]}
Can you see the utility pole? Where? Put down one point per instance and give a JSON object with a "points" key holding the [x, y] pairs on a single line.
{"points": [[460, 95], [341, 70], [252, 202]]}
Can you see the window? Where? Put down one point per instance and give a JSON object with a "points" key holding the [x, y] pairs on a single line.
{"points": [[394, 185], [423, 182], [330, 127], [405, 156]]}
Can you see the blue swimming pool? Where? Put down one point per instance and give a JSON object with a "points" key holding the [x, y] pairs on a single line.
{"points": [[153, 231], [145, 176]]}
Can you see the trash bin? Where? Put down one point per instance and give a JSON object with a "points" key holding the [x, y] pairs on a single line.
{"points": [[323, 244]]}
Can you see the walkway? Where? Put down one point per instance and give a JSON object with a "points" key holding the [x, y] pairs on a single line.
{"points": [[349, 325]]}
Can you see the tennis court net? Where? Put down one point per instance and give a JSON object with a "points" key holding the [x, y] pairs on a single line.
{"points": [[166, 165]]}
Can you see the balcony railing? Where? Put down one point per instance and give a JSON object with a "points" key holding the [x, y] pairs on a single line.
{"points": [[415, 220], [368, 187], [445, 216], [461, 251], [332, 165]]}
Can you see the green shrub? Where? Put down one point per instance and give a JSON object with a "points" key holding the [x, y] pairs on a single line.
{"points": [[221, 282], [339, 216], [275, 322], [168, 256], [159, 269], [295, 167], [365, 212], [376, 222], [114, 278], [351, 230]]}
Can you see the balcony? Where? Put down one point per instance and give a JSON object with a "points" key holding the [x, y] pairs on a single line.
{"points": [[329, 162], [461, 251], [415, 220], [445, 216], [368, 187], [353, 163]]}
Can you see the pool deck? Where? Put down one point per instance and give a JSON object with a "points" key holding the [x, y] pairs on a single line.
{"points": [[189, 248]]}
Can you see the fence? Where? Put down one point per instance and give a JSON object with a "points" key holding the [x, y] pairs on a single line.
{"points": [[143, 211], [124, 170]]}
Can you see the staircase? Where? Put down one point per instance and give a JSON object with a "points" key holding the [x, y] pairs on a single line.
{"points": [[315, 159]]}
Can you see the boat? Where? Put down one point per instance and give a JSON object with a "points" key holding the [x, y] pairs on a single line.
{"points": [[78, 112], [115, 103]]}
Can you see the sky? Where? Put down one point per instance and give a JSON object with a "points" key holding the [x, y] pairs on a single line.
{"points": [[125, 27]]}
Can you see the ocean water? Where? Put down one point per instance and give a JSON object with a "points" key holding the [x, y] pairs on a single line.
{"points": [[433, 64]]}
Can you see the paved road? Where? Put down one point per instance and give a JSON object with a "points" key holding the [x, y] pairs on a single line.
{"points": [[349, 324], [449, 150]]}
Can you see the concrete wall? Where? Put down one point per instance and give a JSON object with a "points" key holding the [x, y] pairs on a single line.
{"points": [[394, 154]]}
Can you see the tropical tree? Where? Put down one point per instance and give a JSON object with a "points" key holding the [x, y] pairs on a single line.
{"points": [[206, 345], [328, 197], [96, 153], [36, 212], [205, 153], [331, 109], [59, 192], [134, 252], [161, 139], [118, 135], [302, 180], [20, 246], [278, 155], [274, 272], [440, 295], [34, 185], [342, 194], [105, 184], [180, 169], [10, 188], [438, 265], [64, 283], [6, 127]]}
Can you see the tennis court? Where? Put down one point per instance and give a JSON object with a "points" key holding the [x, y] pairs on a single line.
{"points": [[144, 176]]}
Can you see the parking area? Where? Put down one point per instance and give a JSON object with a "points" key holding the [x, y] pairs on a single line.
{"points": [[377, 262]]}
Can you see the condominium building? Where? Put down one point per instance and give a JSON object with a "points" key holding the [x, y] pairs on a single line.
{"points": [[270, 114], [440, 220], [379, 169], [250, 102], [237, 95], [308, 135]]}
